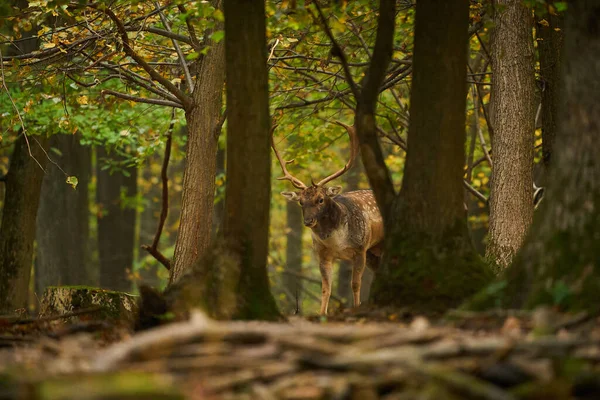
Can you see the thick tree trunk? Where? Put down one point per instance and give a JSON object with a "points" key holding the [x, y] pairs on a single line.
{"points": [[429, 262], [62, 235], [195, 228], [17, 232], [558, 264], [549, 47], [248, 187], [116, 225], [513, 118], [293, 255]]}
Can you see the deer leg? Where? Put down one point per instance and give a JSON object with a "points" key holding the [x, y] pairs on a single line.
{"points": [[358, 268], [326, 267]]}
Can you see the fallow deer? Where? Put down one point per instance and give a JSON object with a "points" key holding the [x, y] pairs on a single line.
{"points": [[344, 226]]}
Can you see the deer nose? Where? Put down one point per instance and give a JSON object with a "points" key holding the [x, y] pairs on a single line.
{"points": [[309, 222]]}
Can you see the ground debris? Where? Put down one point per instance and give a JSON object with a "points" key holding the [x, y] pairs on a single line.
{"points": [[488, 356]]}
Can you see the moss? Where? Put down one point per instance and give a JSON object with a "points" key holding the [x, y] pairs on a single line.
{"points": [[218, 286], [560, 269], [120, 385], [429, 274]]}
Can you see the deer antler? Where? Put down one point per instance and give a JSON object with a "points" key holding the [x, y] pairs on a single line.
{"points": [[286, 175], [353, 154]]}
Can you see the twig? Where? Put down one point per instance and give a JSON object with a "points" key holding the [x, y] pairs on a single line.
{"points": [[16, 110]]}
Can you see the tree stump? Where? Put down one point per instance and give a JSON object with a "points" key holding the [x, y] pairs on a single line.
{"points": [[104, 304]]}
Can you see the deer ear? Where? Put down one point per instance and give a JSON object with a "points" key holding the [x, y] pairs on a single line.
{"points": [[333, 191], [291, 196]]}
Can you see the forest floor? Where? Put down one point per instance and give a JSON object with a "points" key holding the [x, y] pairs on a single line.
{"points": [[360, 354]]}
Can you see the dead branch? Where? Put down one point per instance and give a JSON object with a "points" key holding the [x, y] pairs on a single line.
{"points": [[164, 211]]}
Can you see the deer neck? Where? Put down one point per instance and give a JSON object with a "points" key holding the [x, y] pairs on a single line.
{"points": [[331, 219]]}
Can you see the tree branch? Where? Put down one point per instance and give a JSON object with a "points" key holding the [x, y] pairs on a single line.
{"points": [[137, 99], [186, 71], [186, 101], [194, 38], [336, 50], [372, 156], [161, 32], [474, 192], [164, 211]]}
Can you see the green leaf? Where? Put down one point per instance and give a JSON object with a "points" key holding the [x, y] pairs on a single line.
{"points": [[217, 36], [560, 6], [192, 56], [72, 180]]}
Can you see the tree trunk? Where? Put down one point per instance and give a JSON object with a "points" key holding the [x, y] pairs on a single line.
{"points": [[17, 232], [428, 261], [248, 187], [62, 235], [558, 264], [116, 225], [513, 119], [293, 255], [195, 228], [549, 48]]}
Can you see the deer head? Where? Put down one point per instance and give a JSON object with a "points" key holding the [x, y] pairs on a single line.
{"points": [[317, 197]]}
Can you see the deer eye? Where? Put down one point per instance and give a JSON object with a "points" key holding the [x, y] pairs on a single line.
{"points": [[321, 200]]}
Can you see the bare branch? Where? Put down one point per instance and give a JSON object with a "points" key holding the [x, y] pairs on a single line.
{"points": [[164, 211], [186, 71], [137, 99], [161, 32], [474, 192]]}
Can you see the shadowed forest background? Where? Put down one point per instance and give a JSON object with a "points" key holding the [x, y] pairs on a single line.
{"points": [[138, 182]]}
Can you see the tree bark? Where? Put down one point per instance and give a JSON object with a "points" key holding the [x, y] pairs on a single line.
{"points": [[116, 225], [558, 264], [428, 262], [195, 229], [513, 118], [62, 235], [549, 48], [17, 232], [293, 255], [248, 187]]}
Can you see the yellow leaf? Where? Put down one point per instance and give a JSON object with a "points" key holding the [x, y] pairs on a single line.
{"points": [[48, 45], [82, 100], [543, 22]]}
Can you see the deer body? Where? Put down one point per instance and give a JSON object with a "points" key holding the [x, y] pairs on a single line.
{"points": [[353, 232], [344, 226]]}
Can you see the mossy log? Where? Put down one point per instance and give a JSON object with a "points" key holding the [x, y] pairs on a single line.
{"points": [[110, 305]]}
